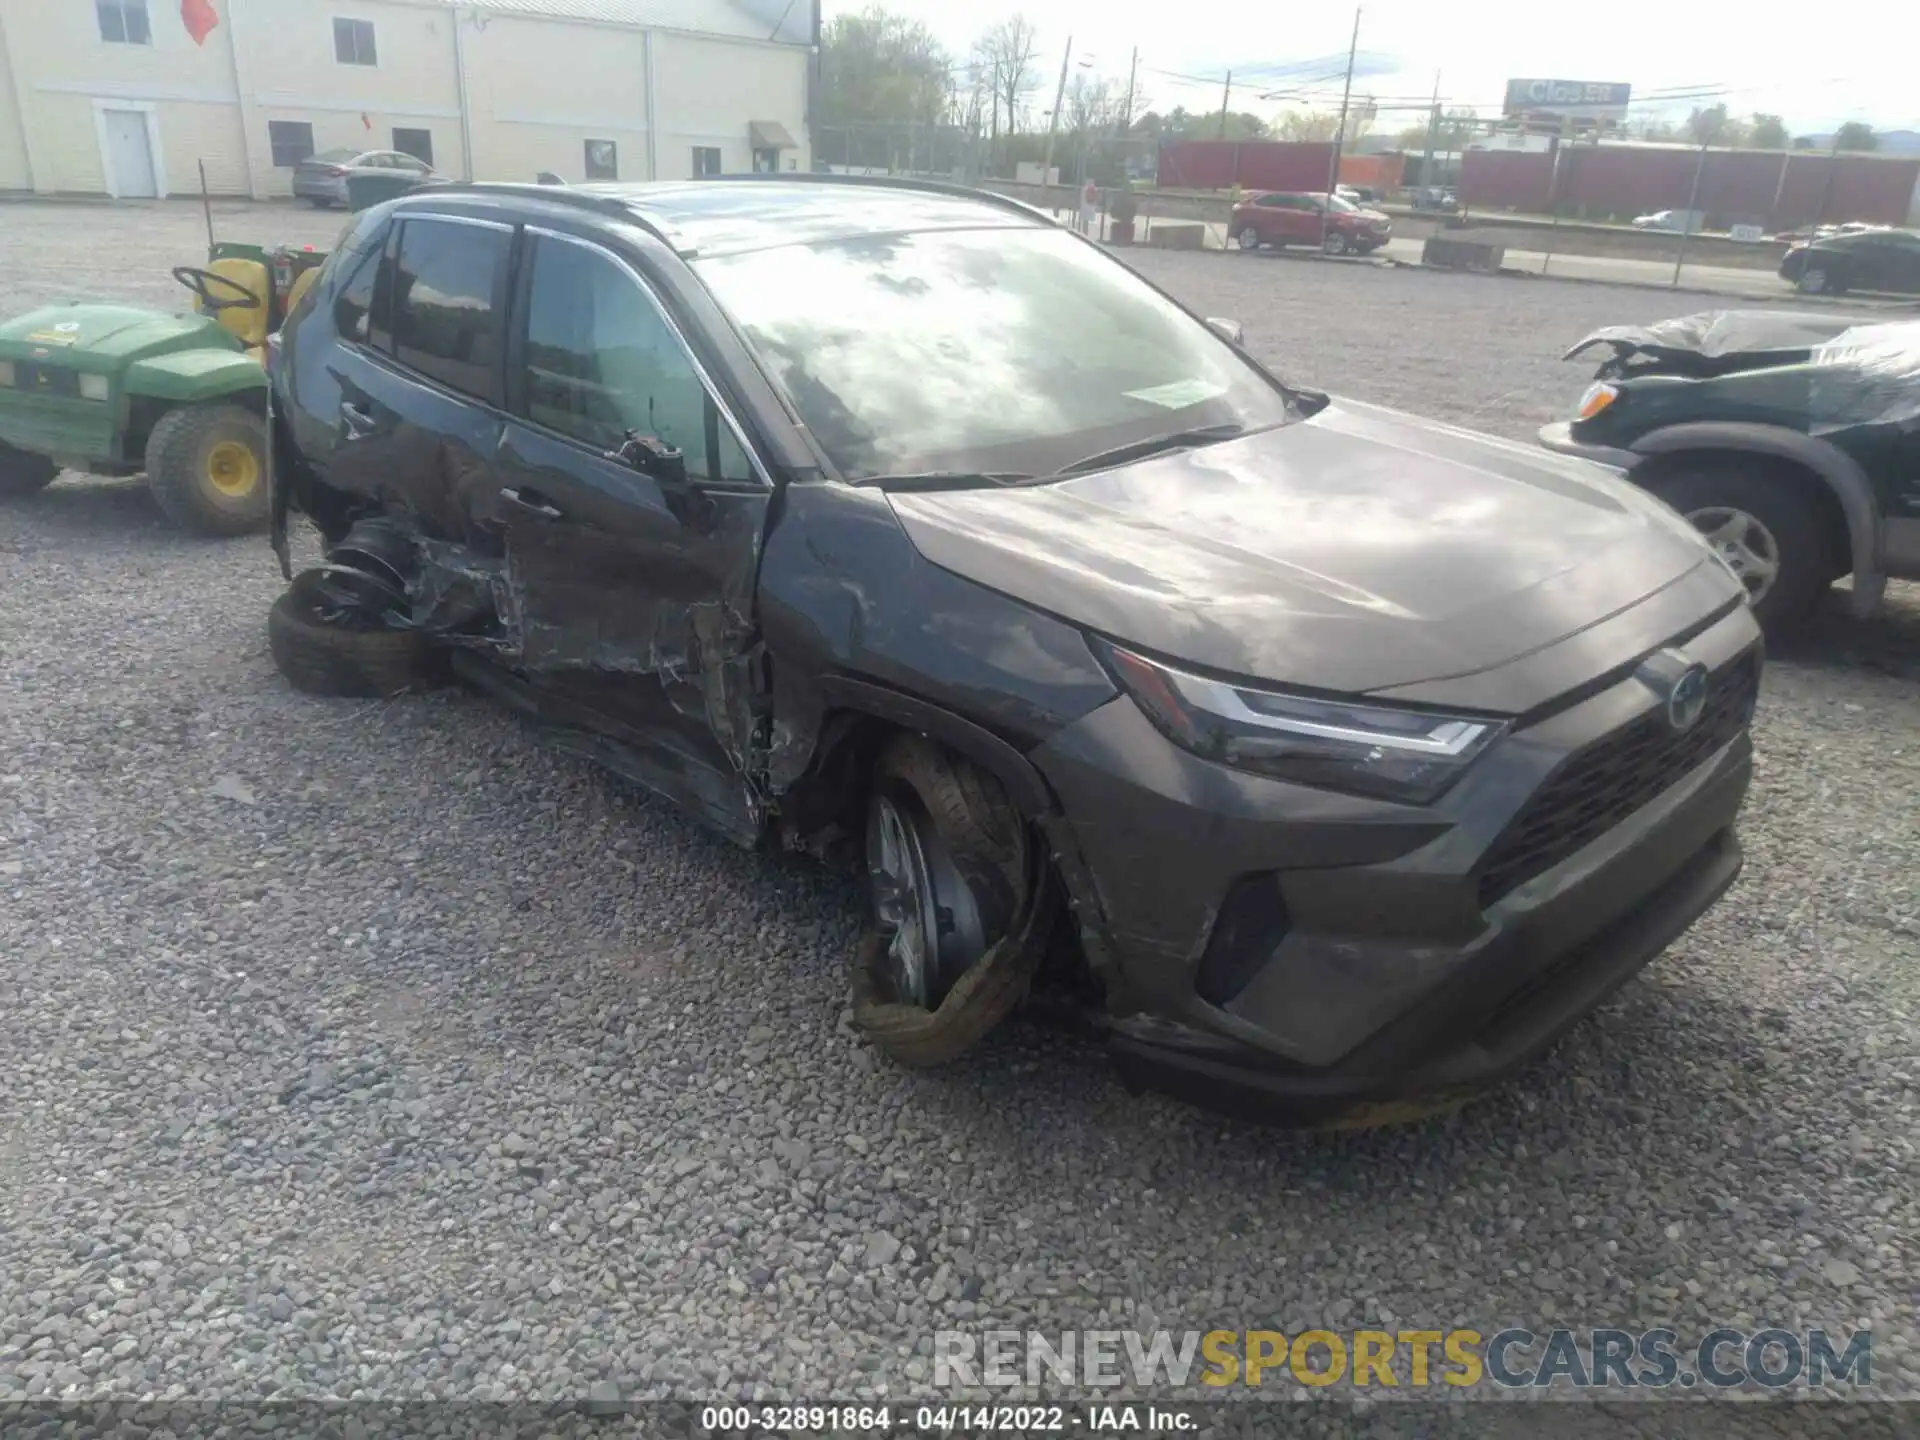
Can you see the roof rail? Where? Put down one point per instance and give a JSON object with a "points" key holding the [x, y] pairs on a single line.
{"points": [[620, 206], [892, 182]]}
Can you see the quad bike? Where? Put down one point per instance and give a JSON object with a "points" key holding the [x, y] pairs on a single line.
{"points": [[117, 390]]}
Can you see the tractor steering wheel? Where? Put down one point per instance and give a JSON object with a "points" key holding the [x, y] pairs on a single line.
{"points": [[197, 280]]}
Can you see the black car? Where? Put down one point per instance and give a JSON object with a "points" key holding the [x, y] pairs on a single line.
{"points": [[1792, 442], [896, 522], [1865, 260]]}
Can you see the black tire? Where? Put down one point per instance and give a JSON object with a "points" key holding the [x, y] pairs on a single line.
{"points": [[987, 841], [318, 203], [1247, 238], [322, 658], [1782, 502], [1822, 279], [1334, 243], [24, 473], [188, 456]]}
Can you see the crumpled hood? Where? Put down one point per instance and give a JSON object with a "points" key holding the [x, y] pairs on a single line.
{"points": [[102, 330], [1359, 550]]}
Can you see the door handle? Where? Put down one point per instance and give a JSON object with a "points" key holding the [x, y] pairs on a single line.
{"points": [[356, 419], [531, 501]]}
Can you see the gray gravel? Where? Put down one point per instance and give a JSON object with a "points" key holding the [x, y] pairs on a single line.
{"points": [[374, 1049]]}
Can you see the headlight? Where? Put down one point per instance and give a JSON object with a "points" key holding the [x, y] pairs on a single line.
{"points": [[6, 372], [93, 387], [1407, 755], [1598, 397]]}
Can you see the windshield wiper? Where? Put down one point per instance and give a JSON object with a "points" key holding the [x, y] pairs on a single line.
{"points": [[944, 480], [1156, 445]]}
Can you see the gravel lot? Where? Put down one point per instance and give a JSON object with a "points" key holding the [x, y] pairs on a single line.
{"points": [[374, 1049]]}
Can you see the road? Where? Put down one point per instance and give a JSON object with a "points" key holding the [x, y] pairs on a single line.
{"points": [[1721, 280], [379, 1050]]}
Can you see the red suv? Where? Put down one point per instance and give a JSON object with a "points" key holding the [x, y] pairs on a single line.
{"points": [[1291, 217]]}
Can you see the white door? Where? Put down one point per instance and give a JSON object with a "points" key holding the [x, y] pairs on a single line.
{"points": [[129, 155]]}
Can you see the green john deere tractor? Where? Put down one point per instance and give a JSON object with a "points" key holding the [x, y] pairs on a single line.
{"points": [[117, 390]]}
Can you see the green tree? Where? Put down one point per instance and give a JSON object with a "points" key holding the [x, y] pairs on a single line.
{"points": [[1766, 132], [878, 68], [1307, 125], [1856, 135], [1714, 126]]}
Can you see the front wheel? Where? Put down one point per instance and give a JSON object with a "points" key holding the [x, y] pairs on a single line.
{"points": [[24, 473], [958, 915], [319, 202], [1336, 243], [1818, 280], [1248, 238], [207, 467], [1763, 525]]}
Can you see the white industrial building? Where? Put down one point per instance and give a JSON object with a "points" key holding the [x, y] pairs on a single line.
{"points": [[118, 97]]}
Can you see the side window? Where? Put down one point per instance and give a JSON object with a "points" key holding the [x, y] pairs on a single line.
{"points": [[601, 360], [444, 281], [353, 306]]}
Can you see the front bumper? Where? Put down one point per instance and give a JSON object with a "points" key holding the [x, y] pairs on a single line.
{"points": [[1558, 437], [1388, 967]]}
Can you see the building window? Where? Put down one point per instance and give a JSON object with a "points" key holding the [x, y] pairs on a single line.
{"points": [[444, 287], [353, 42], [123, 22], [417, 143], [603, 160], [292, 142], [706, 160]]}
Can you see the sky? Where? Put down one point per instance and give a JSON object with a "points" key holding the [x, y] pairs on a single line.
{"points": [[1817, 65]]}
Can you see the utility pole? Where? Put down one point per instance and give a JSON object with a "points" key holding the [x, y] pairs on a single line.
{"points": [[1433, 125], [1340, 135], [1053, 121], [1226, 96], [1126, 118]]}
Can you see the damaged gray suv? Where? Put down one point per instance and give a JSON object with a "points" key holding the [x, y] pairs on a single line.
{"points": [[1359, 756]]}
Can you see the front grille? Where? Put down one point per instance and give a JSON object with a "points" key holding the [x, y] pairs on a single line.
{"points": [[1598, 787]]}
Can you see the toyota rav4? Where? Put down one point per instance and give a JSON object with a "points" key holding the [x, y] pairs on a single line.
{"points": [[893, 521]]}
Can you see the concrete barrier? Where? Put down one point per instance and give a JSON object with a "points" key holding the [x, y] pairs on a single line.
{"points": [[1463, 250], [1177, 235]]}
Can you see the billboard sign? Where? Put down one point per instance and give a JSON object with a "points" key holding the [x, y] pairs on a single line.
{"points": [[1573, 99]]}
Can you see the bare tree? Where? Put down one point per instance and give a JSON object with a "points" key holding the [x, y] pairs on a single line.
{"points": [[1316, 125], [1007, 49]]}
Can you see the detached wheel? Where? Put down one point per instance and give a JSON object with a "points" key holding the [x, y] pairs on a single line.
{"points": [[1335, 243], [207, 467], [1248, 238], [1763, 524], [324, 653], [24, 473], [958, 909]]}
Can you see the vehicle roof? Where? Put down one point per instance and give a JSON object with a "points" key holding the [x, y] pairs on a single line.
{"points": [[729, 215]]}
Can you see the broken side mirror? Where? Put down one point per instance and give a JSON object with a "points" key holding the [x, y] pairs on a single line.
{"points": [[653, 457], [1227, 330]]}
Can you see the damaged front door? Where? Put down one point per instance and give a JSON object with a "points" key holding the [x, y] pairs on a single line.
{"points": [[633, 517]]}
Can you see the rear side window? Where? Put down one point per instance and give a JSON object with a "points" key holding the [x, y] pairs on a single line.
{"points": [[601, 360], [353, 307], [446, 283]]}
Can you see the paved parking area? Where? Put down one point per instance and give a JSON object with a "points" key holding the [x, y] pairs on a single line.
{"points": [[375, 1049]]}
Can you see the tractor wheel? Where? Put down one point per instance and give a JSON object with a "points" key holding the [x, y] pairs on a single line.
{"points": [[23, 473], [207, 466]]}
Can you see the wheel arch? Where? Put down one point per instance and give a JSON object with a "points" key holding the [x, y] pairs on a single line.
{"points": [[1841, 475]]}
